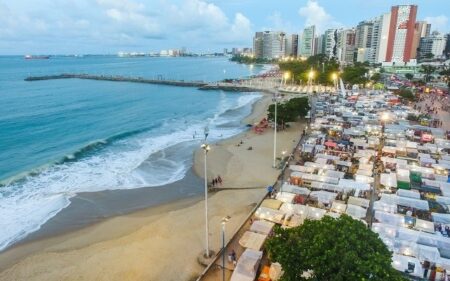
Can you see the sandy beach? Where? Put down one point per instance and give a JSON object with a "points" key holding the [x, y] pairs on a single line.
{"points": [[163, 242]]}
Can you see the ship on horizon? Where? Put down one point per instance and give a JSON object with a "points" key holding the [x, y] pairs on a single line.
{"points": [[31, 57]]}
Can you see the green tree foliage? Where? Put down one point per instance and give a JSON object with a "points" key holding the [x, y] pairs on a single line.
{"points": [[333, 249], [355, 74], [289, 111], [322, 65], [376, 77], [249, 59], [446, 74], [409, 76], [427, 70], [406, 94]]}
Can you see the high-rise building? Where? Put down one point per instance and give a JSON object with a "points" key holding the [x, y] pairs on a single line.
{"points": [[401, 33], [330, 42], [363, 40], [306, 48], [258, 45], [346, 46], [447, 46], [292, 45], [421, 30], [432, 45], [273, 44], [383, 36]]}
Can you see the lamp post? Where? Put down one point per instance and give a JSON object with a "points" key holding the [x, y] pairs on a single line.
{"points": [[334, 76], [206, 148], [310, 77], [224, 222]]}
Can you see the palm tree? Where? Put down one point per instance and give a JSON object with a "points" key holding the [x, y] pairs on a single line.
{"points": [[427, 70]]}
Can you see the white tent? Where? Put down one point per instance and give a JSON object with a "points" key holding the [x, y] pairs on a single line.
{"points": [[252, 240], [294, 209], [408, 193], [338, 207], [441, 218], [401, 263], [323, 196], [285, 197], [364, 178], [388, 180], [358, 201], [334, 174], [353, 184], [356, 211], [269, 214], [303, 169], [262, 226], [388, 218], [295, 189], [405, 201], [247, 266], [424, 225]]}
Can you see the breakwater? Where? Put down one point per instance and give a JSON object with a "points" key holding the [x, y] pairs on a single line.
{"points": [[201, 85], [180, 83]]}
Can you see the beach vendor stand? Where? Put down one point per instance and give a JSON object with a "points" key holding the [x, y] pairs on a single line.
{"points": [[247, 266], [252, 240], [262, 226]]}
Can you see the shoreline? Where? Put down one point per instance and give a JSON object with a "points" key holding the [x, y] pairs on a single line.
{"points": [[155, 234]]}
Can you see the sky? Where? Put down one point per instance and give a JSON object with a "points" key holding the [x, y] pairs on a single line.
{"points": [[110, 26]]}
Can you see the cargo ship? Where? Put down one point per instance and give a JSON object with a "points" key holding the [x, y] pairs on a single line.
{"points": [[30, 57]]}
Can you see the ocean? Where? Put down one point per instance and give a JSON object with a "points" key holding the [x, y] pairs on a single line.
{"points": [[59, 138]]}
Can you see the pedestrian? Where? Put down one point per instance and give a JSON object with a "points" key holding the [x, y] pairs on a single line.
{"points": [[433, 272], [214, 182], [426, 267], [219, 179], [233, 257]]}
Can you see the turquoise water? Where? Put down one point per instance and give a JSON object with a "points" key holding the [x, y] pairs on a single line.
{"points": [[61, 137]]}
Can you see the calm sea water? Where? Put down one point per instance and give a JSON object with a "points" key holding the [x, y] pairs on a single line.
{"points": [[61, 137]]}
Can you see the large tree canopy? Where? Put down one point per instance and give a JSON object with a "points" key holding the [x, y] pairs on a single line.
{"points": [[332, 249], [290, 111], [355, 74]]}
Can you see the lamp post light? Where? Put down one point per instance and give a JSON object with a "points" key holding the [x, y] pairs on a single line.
{"points": [[310, 77], [224, 222], [206, 148], [334, 76]]}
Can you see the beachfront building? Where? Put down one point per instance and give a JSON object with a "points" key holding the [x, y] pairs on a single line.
{"points": [[401, 34], [330, 42], [307, 40], [363, 40], [291, 45], [269, 44], [346, 46], [258, 45], [432, 46]]}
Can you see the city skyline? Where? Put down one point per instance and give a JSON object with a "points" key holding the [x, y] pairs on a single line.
{"points": [[110, 26]]}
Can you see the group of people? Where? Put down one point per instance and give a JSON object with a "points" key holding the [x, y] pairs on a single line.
{"points": [[443, 229], [217, 181], [429, 272]]}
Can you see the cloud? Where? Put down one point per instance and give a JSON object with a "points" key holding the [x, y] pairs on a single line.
{"points": [[278, 22], [315, 14], [439, 23], [107, 25]]}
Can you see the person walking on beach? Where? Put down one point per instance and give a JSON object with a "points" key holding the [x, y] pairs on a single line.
{"points": [[219, 179]]}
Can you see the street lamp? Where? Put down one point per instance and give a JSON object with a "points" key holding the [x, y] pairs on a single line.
{"points": [[206, 148], [334, 76], [310, 77], [224, 222]]}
